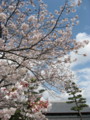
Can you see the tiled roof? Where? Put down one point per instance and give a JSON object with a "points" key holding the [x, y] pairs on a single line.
{"points": [[62, 107]]}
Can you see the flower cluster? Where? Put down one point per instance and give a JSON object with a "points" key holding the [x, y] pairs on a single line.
{"points": [[25, 27], [3, 16], [6, 113], [39, 105], [19, 92]]}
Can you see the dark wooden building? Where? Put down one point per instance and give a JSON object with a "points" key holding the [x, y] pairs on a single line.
{"points": [[62, 111]]}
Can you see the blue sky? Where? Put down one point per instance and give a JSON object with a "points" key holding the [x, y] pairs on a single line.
{"points": [[81, 32], [83, 11], [84, 17]]}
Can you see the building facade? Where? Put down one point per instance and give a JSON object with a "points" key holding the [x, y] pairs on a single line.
{"points": [[62, 111]]}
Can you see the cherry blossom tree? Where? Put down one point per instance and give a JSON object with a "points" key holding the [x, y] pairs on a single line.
{"points": [[31, 38]]}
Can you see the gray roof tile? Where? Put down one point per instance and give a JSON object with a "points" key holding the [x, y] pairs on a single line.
{"points": [[62, 107]]}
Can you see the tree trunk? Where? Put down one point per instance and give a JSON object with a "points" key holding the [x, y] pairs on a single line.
{"points": [[80, 115]]}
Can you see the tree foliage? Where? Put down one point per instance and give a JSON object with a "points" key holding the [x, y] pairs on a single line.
{"points": [[76, 98]]}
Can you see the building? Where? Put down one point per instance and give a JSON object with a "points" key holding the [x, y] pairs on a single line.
{"points": [[62, 111]]}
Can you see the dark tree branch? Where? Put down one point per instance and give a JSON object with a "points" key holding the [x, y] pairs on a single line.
{"points": [[12, 13]]}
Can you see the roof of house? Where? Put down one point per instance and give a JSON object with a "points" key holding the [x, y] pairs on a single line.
{"points": [[62, 107]]}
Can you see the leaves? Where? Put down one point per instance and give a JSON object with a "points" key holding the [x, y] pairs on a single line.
{"points": [[76, 98], [17, 115], [41, 91]]}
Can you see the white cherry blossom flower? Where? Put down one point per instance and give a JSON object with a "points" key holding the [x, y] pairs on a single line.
{"points": [[25, 27], [3, 16]]}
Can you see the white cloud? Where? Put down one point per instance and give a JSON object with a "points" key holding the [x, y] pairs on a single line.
{"points": [[83, 74], [86, 50], [52, 96], [85, 82]]}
